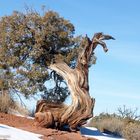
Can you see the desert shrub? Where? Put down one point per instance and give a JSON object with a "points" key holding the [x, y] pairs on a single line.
{"points": [[9, 105], [108, 123], [132, 131], [6, 102], [129, 113], [125, 123]]}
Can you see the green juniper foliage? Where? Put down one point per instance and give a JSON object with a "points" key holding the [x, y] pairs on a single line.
{"points": [[29, 43]]}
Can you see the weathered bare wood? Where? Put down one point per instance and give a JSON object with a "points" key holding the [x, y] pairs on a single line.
{"points": [[82, 105]]}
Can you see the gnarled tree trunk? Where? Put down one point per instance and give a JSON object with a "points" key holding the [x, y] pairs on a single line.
{"points": [[82, 105]]}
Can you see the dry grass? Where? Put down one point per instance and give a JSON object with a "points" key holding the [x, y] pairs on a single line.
{"points": [[108, 123], [8, 105], [6, 102], [132, 131], [117, 125]]}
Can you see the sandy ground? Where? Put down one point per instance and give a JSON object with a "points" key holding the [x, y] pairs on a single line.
{"points": [[28, 125]]}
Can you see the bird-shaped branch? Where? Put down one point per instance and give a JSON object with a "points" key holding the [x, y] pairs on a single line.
{"points": [[98, 39], [88, 50]]}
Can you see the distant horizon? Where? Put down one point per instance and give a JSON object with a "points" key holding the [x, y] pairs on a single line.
{"points": [[115, 79]]}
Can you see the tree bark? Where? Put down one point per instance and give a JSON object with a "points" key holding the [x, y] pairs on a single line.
{"points": [[81, 108]]}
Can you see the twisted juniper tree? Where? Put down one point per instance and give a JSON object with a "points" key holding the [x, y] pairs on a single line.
{"points": [[82, 105]]}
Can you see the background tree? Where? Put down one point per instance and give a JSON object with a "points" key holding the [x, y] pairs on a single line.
{"points": [[29, 43]]}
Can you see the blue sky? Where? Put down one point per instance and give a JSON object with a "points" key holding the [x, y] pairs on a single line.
{"points": [[115, 79]]}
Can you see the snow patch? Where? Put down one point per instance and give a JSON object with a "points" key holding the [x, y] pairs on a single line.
{"points": [[95, 133], [11, 133]]}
